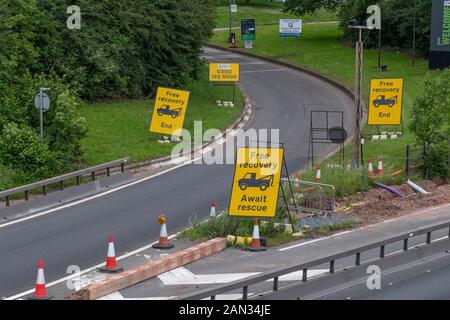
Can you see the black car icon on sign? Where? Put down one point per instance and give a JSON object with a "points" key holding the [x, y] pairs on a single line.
{"points": [[250, 181], [165, 110]]}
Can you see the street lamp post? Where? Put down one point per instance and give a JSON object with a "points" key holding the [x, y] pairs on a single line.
{"points": [[414, 35]]}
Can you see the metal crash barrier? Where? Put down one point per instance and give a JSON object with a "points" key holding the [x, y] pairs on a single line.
{"points": [[92, 172], [312, 197]]}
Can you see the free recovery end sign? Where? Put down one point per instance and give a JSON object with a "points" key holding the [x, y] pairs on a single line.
{"points": [[169, 111], [386, 98], [256, 182], [224, 72]]}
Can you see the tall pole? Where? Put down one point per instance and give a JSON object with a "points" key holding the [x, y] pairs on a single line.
{"points": [[229, 36], [414, 35], [41, 97], [379, 38], [358, 99]]}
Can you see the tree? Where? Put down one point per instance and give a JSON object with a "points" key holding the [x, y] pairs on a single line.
{"points": [[431, 121], [302, 7]]}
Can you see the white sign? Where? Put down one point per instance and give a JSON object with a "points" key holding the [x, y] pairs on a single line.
{"points": [[290, 27], [234, 8], [42, 101], [248, 44]]}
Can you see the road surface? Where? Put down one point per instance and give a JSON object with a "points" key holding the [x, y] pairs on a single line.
{"points": [[77, 235]]}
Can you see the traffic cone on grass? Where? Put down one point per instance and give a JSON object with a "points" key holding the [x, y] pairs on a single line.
{"points": [[296, 181], [40, 291], [111, 262], [380, 166], [163, 239], [371, 173], [256, 241], [318, 174], [212, 213]]}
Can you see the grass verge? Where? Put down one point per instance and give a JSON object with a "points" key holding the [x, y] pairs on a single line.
{"points": [[265, 12], [321, 49], [120, 129], [275, 234]]}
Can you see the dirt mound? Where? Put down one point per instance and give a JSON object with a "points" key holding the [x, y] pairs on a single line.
{"points": [[378, 204]]}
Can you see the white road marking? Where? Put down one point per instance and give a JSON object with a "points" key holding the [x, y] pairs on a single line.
{"points": [[252, 63], [303, 244], [268, 70], [298, 275], [72, 276], [182, 276]]}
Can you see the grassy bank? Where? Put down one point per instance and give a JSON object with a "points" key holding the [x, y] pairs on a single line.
{"points": [[120, 129], [320, 49], [265, 12]]}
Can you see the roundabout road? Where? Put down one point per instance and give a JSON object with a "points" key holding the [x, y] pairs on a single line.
{"points": [[76, 235]]}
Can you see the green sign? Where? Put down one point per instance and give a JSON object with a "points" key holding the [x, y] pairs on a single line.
{"points": [[440, 26], [248, 29]]}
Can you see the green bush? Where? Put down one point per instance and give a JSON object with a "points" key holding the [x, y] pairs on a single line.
{"points": [[431, 121], [24, 152]]}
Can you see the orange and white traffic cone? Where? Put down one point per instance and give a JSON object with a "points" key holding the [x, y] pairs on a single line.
{"points": [[111, 262], [318, 174], [212, 213], [380, 166], [296, 182], [256, 241], [163, 238], [371, 173], [40, 291]]}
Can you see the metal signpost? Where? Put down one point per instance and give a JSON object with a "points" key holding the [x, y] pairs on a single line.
{"points": [[42, 104], [233, 10], [248, 32], [291, 28], [225, 73], [169, 111]]}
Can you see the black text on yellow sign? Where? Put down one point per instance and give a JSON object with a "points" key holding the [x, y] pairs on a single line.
{"points": [[256, 182], [227, 72], [386, 99], [169, 111]]}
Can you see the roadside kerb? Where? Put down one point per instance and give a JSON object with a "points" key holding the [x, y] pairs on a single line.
{"points": [[149, 270]]}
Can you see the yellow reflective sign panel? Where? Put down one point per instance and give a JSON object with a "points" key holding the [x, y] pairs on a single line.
{"points": [[256, 182], [386, 98], [224, 72], [169, 111]]}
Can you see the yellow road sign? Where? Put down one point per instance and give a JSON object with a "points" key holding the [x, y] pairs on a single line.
{"points": [[224, 72], [256, 182], [169, 111], [386, 99]]}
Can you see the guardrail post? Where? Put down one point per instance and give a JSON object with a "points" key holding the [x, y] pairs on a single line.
{"points": [[78, 180], [449, 232], [358, 259], [275, 284], [428, 237], [44, 190], [61, 184], [93, 176], [108, 172], [27, 195], [305, 275], [332, 266], [405, 245], [245, 293], [7, 201], [213, 297], [122, 167], [382, 251]]}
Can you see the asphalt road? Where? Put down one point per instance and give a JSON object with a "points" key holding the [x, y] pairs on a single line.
{"points": [[428, 281], [77, 235]]}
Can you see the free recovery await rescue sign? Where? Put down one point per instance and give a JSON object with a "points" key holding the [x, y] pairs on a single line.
{"points": [[169, 111], [386, 99], [256, 182]]}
